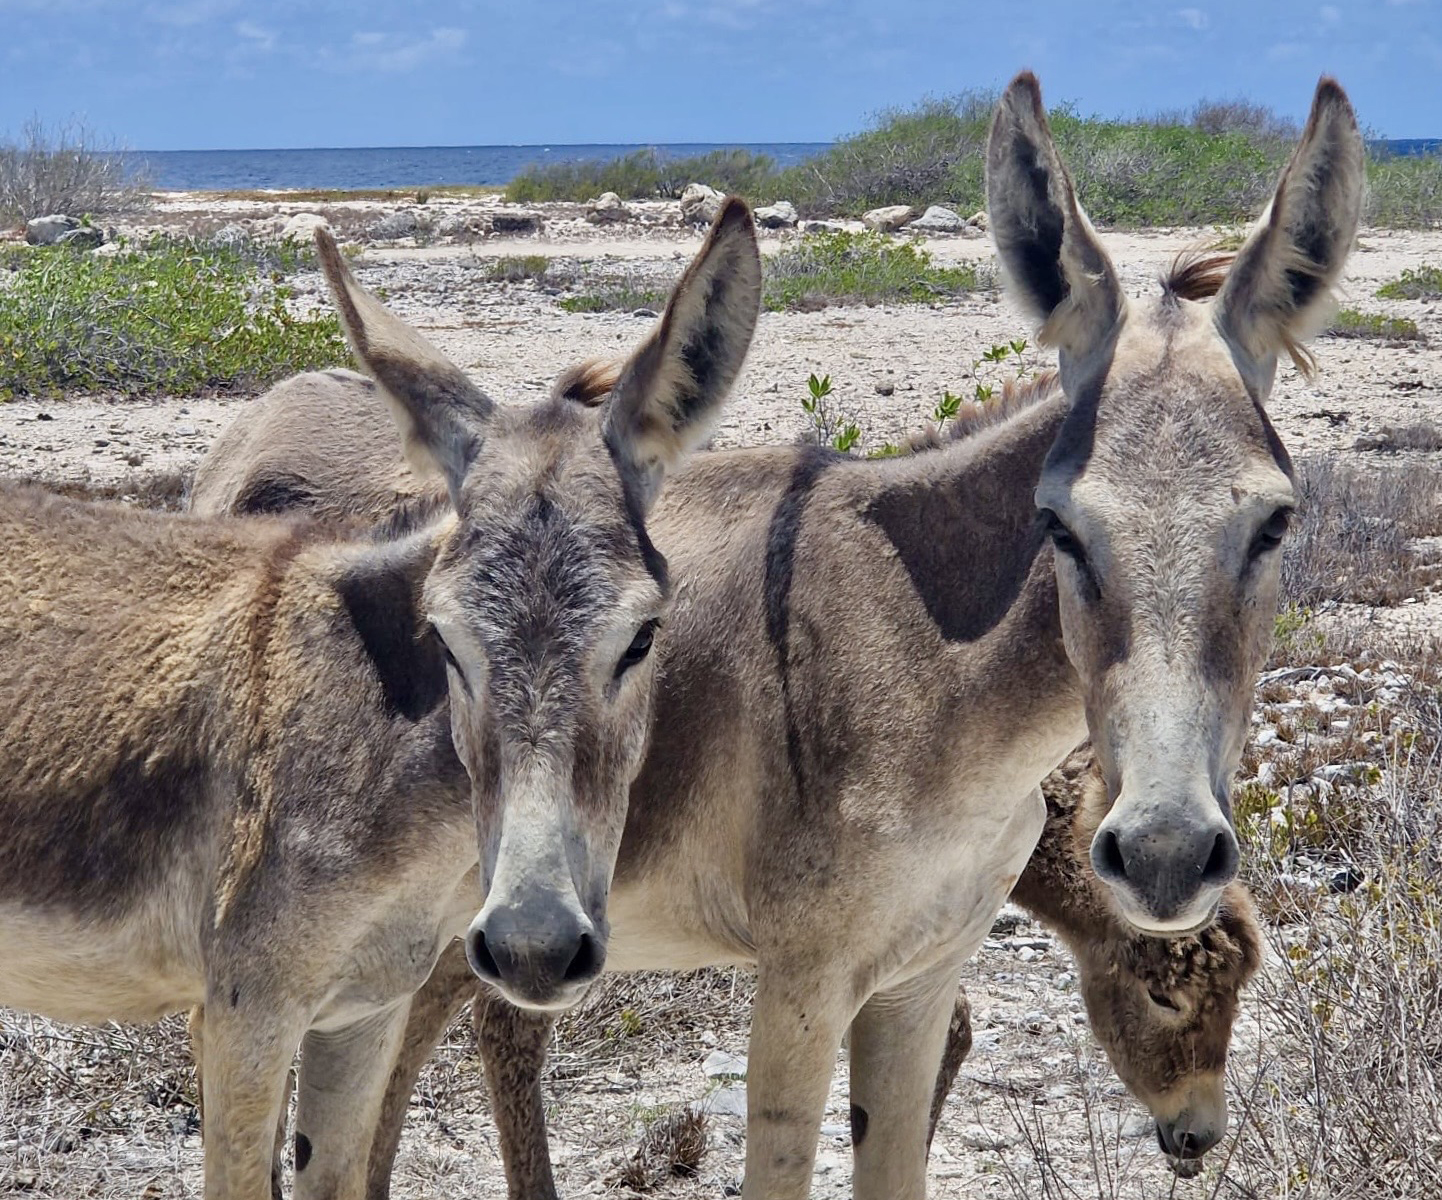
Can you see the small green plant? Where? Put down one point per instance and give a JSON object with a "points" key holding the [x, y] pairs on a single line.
{"points": [[423, 195], [1349, 323], [615, 295], [830, 427], [1420, 283], [513, 268]]}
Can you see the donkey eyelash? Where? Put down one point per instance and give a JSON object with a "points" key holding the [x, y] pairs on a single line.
{"points": [[1270, 535]]}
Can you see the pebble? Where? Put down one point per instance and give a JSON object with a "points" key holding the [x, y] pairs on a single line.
{"points": [[722, 1064]]}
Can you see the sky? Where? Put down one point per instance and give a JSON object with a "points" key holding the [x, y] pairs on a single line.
{"points": [[233, 74]]}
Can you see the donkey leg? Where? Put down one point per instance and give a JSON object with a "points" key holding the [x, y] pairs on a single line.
{"points": [[797, 1024], [896, 1047], [513, 1045], [450, 985], [243, 1057], [958, 1046], [343, 1075]]}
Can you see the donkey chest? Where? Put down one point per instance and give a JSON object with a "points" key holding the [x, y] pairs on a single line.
{"points": [[391, 950]]}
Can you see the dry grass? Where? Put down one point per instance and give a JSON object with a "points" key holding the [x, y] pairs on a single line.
{"points": [[1353, 536], [1347, 1099]]}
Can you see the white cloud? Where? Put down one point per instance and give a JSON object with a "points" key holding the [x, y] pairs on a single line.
{"points": [[262, 40], [1193, 18], [394, 52], [1330, 14]]}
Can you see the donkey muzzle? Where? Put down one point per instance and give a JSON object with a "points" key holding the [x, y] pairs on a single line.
{"points": [[1166, 865], [542, 957]]}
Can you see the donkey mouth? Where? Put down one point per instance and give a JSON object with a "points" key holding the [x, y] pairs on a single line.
{"points": [[1169, 931]]}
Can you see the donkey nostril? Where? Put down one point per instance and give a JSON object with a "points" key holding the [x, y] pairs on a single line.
{"points": [[586, 962], [1221, 865], [1107, 857], [483, 963]]}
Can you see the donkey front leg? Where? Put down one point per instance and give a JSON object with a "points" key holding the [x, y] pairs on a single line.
{"points": [[797, 1024], [896, 1048], [243, 1055], [450, 985], [513, 1048], [343, 1077], [513, 1045]]}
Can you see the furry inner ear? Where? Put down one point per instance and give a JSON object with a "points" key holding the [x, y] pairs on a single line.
{"points": [[441, 414], [381, 595], [1278, 292], [1054, 264], [671, 389]]}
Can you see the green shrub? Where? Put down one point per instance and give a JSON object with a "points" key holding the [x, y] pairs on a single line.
{"points": [[859, 268], [171, 317], [1349, 323], [615, 295], [1216, 163], [513, 268], [1423, 283], [643, 175]]}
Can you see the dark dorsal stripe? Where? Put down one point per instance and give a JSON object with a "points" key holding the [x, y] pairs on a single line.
{"points": [[273, 494], [781, 537]]}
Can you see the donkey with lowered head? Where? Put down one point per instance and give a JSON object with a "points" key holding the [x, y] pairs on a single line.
{"points": [[272, 767], [869, 667]]}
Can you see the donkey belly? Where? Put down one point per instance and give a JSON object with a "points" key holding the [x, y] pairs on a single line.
{"points": [[139, 966]]}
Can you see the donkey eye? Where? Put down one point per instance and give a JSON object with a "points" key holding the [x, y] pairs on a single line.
{"points": [[451, 660], [1270, 535], [638, 649], [1163, 1001], [1061, 537]]}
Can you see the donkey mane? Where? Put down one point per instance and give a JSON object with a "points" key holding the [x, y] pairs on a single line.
{"points": [[1017, 395], [1198, 275]]}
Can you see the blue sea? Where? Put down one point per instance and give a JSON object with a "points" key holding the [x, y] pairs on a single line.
{"points": [[399, 166], [418, 166]]}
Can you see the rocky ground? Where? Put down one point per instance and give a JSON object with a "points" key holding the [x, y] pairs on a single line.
{"points": [[1037, 1112]]}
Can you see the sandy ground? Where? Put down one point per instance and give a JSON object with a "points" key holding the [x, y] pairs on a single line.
{"points": [[1033, 1066]]}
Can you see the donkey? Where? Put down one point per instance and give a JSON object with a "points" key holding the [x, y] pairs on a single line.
{"points": [[870, 666], [1162, 1008], [271, 767]]}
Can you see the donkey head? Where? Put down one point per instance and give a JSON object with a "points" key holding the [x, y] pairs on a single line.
{"points": [[1167, 492], [543, 594], [1163, 1009]]}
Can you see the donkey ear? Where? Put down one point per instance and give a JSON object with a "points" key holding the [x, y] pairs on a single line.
{"points": [[1278, 292], [671, 389], [1054, 264], [440, 413]]}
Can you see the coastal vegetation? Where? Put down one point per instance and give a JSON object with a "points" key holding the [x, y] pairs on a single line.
{"points": [[170, 316], [1212, 164]]}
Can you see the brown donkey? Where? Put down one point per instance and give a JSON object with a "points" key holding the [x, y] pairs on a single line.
{"points": [[1162, 1008], [869, 667], [254, 764]]}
